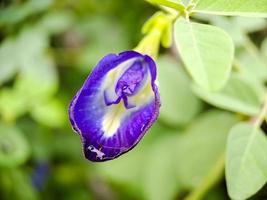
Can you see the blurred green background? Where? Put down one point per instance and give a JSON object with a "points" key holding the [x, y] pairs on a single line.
{"points": [[47, 49]]}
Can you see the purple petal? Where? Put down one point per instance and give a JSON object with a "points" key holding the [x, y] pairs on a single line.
{"points": [[116, 105]]}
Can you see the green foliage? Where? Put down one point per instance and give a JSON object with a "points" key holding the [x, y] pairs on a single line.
{"points": [[204, 143], [246, 161], [202, 47], [47, 49], [14, 149], [248, 8], [240, 95], [179, 104], [160, 170]]}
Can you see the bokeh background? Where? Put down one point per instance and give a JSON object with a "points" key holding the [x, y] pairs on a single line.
{"points": [[48, 48]]}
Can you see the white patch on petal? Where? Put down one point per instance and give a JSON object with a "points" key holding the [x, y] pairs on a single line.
{"points": [[112, 118], [157, 82], [115, 113], [99, 154]]}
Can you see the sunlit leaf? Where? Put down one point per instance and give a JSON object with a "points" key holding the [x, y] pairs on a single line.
{"points": [[250, 8], [207, 52], [240, 95], [246, 161], [236, 27]]}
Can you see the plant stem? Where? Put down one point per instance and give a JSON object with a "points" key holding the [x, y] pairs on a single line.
{"points": [[209, 181], [261, 117]]}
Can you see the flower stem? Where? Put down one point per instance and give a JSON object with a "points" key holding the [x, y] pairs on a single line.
{"points": [[209, 181], [156, 29], [262, 115]]}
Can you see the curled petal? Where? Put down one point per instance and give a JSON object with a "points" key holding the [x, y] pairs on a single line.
{"points": [[116, 105]]}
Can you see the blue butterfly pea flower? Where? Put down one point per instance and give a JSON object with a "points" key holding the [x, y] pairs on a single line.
{"points": [[116, 105]]}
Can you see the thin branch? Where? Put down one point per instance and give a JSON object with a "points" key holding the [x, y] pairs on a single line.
{"points": [[209, 181]]}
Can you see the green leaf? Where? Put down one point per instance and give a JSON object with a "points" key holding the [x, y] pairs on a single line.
{"points": [[237, 34], [236, 27], [14, 149], [246, 161], [251, 63], [8, 65], [51, 113], [249, 8], [240, 95], [201, 145], [207, 52], [37, 79], [179, 104], [14, 58]]}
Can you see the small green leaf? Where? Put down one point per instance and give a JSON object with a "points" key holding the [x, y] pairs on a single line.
{"points": [[179, 104], [249, 8], [207, 52], [14, 149], [240, 95], [246, 161]]}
